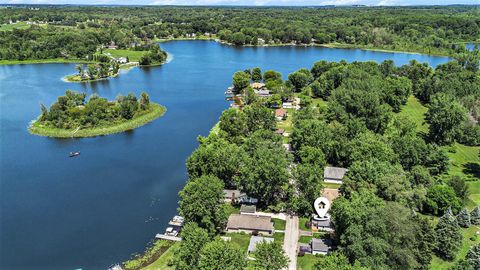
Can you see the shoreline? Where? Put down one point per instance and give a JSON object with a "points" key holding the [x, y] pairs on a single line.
{"points": [[327, 45], [156, 111]]}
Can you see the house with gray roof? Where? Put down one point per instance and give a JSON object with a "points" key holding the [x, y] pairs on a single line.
{"points": [[255, 240], [250, 224], [321, 246], [334, 174]]}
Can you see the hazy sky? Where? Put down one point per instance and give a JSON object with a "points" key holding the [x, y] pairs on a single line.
{"points": [[246, 2]]}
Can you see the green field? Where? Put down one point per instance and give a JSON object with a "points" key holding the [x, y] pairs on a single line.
{"points": [[415, 111], [43, 61], [279, 224], [133, 56], [153, 113], [10, 27], [307, 261]]}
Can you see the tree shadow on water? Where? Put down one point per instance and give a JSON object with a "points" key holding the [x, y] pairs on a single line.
{"points": [[472, 169]]}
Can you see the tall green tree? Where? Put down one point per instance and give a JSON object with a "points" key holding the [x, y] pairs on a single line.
{"points": [[270, 256], [444, 116], [241, 80], [201, 201], [449, 237], [256, 74], [463, 218], [475, 216], [221, 255], [194, 239], [473, 257], [336, 261]]}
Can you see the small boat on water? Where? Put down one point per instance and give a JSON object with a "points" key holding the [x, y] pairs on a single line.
{"points": [[74, 154]]}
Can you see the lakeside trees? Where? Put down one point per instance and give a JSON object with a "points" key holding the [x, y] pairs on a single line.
{"points": [[77, 31], [396, 173]]}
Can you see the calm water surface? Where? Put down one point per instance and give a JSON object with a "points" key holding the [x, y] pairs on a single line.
{"points": [[95, 210]]}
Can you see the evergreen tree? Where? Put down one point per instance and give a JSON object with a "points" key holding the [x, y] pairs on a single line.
{"points": [[463, 218], [448, 236], [473, 257], [475, 216], [256, 74]]}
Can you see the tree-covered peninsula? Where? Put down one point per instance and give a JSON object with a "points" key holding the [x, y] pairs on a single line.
{"points": [[72, 115]]}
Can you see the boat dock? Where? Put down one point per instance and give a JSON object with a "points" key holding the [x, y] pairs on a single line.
{"points": [[168, 237]]}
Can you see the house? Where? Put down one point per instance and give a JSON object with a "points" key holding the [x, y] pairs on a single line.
{"points": [[112, 46], [280, 113], [288, 147], [248, 209], [121, 60], [334, 174], [287, 105], [236, 196], [230, 93], [252, 224], [257, 85], [254, 240], [322, 225], [321, 246], [264, 93]]}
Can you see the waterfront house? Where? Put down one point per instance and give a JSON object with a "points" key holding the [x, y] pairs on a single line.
{"points": [[236, 196], [263, 93], [334, 174], [287, 105], [252, 224], [255, 240], [112, 46], [257, 85]]}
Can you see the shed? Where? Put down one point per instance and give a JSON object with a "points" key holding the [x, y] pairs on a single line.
{"points": [[334, 174], [255, 240]]}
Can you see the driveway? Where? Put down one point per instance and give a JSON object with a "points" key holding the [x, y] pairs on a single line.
{"points": [[290, 242]]}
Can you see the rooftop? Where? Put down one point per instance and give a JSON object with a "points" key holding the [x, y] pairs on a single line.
{"points": [[280, 112], [322, 245], [230, 193], [334, 172], [248, 209], [250, 222], [254, 240]]}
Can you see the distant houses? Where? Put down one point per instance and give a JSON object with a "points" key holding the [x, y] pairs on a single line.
{"points": [[334, 174], [280, 113], [251, 224]]}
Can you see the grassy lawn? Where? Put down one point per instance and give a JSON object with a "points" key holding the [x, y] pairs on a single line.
{"points": [[301, 223], [319, 103], [162, 262], [230, 209], [240, 239], [10, 27], [306, 262], [279, 224], [133, 56], [474, 198], [279, 237], [415, 111], [153, 113], [331, 185], [287, 123], [43, 61], [439, 264], [464, 161], [305, 239]]}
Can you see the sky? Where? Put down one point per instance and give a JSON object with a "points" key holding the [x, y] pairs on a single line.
{"points": [[248, 2]]}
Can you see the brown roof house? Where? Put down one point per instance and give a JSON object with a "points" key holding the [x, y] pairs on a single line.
{"points": [[250, 224], [280, 113]]}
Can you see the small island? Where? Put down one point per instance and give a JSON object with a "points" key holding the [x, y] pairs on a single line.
{"points": [[108, 62], [72, 116]]}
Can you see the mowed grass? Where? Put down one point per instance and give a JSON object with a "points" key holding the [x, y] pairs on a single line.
{"points": [[133, 56], [415, 111], [307, 261], [10, 27], [162, 262], [279, 224]]}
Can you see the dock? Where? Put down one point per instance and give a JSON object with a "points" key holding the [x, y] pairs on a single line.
{"points": [[168, 237]]}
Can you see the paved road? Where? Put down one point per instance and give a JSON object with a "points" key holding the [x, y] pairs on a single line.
{"points": [[291, 241]]}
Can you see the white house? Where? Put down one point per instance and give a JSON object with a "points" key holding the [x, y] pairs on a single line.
{"points": [[334, 174]]}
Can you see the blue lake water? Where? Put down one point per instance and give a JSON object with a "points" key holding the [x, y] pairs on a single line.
{"points": [[97, 209]]}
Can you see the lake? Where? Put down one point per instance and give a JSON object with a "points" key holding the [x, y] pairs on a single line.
{"points": [[97, 209]]}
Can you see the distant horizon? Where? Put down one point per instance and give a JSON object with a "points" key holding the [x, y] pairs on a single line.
{"points": [[249, 3]]}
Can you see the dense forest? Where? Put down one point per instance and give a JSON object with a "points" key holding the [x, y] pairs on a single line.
{"points": [[399, 207], [76, 32]]}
